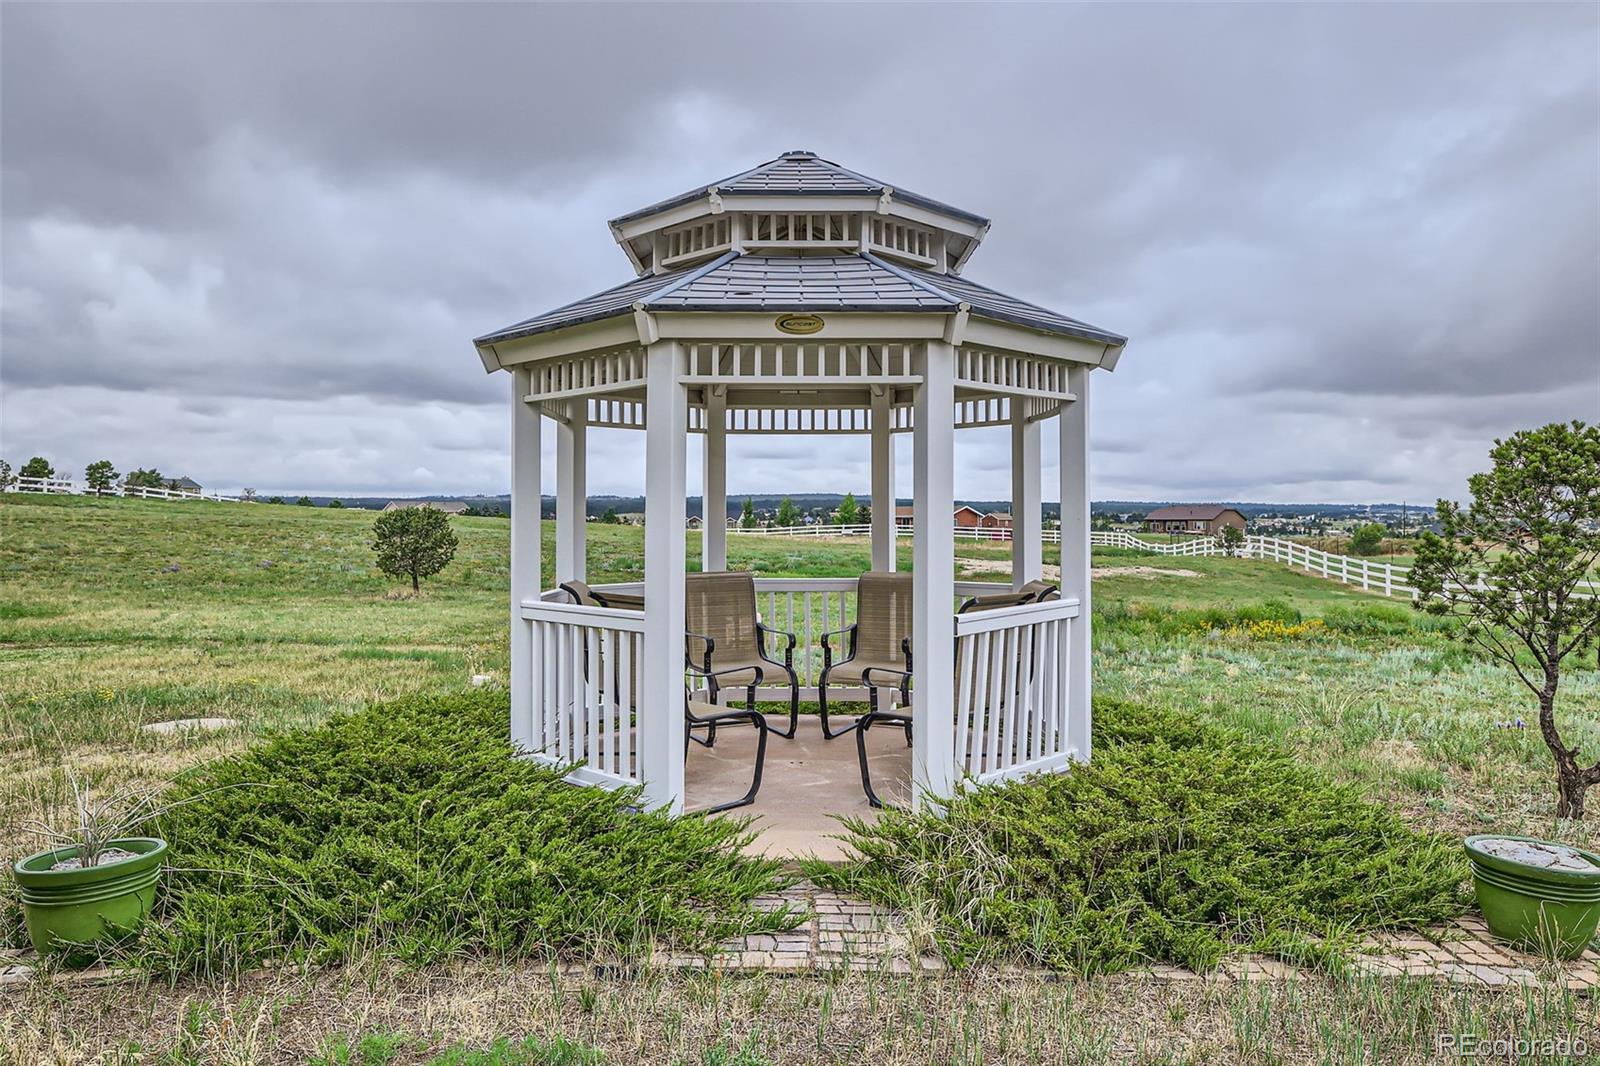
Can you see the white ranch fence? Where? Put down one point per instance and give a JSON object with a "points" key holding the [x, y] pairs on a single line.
{"points": [[1051, 536], [1389, 579], [65, 487]]}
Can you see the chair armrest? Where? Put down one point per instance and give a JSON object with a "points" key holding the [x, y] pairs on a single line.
{"points": [[763, 631], [760, 674], [688, 656], [905, 648], [619, 600], [827, 649], [900, 679]]}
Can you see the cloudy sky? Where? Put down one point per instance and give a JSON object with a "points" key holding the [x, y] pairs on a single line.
{"points": [[1351, 244]]}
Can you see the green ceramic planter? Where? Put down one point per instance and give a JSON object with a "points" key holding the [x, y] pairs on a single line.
{"points": [[68, 908], [1541, 910]]}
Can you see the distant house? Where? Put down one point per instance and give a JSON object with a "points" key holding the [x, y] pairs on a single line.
{"points": [[185, 485], [996, 520], [1195, 518], [694, 522], [965, 517], [447, 506]]}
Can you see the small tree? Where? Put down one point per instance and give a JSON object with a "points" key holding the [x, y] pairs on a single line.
{"points": [[1513, 564], [38, 466], [788, 514], [1231, 538], [849, 510], [415, 540], [336, 503], [145, 479], [6, 477], [275, 499], [747, 514], [610, 517], [100, 475], [248, 495], [305, 501], [1367, 539]]}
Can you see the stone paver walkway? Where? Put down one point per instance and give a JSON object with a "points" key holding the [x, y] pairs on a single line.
{"points": [[852, 934], [842, 933]]}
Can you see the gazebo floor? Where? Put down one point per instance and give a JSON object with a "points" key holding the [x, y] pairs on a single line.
{"points": [[809, 782]]}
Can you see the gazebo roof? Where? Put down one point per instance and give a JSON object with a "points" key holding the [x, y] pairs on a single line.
{"points": [[800, 173], [856, 282]]}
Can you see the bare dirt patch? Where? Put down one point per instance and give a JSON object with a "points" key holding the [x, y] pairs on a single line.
{"points": [[1146, 572], [1053, 573]]}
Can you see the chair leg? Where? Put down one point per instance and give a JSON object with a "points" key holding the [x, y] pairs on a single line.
{"points": [[794, 705], [756, 719], [863, 724], [828, 731]]}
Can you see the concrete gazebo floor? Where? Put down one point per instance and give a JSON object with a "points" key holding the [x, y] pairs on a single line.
{"points": [[809, 782]]}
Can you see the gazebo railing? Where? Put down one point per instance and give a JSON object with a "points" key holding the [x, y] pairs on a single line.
{"points": [[1011, 710], [1012, 714], [586, 675]]}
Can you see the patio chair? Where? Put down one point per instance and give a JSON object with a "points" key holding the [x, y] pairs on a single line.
{"points": [[583, 594], [726, 641], [880, 637], [697, 713], [1035, 591], [876, 677]]}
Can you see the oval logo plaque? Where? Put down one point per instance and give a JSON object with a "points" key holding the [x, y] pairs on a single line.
{"points": [[799, 323]]}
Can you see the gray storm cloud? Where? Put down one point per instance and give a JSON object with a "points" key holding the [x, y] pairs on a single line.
{"points": [[250, 243]]}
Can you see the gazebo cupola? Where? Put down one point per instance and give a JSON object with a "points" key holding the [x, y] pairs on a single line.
{"points": [[799, 297], [799, 204]]}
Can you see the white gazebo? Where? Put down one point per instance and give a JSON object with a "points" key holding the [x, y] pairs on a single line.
{"points": [[799, 297]]}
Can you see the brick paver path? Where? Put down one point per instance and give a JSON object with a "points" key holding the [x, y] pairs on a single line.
{"points": [[849, 933]]}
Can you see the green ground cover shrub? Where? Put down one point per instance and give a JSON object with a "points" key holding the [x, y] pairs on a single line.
{"points": [[408, 828], [1181, 842]]}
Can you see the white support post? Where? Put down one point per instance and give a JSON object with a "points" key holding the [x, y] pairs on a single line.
{"points": [[883, 521], [1027, 507], [525, 556], [572, 494], [933, 574], [714, 486], [660, 720], [1075, 558]]}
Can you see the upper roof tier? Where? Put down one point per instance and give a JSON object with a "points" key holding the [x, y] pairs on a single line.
{"points": [[801, 203]]}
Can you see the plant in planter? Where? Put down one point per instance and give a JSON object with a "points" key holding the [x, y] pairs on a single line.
{"points": [[1541, 896], [97, 882]]}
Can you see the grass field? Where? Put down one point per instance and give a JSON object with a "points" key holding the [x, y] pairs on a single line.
{"points": [[116, 613]]}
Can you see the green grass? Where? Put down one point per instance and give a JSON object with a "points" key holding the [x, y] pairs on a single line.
{"points": [[410, 829], [1183, 841]]}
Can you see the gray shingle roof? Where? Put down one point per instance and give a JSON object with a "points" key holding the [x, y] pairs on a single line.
{"points": [[788, 283], [810, 283], [617, 300], [991, 303], [800, 173]]}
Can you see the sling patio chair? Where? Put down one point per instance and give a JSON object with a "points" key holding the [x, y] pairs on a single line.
{"points": [[588, 597], [876, 677], [697, 713], [1035, 591], [725, 642], [880, 637]]}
